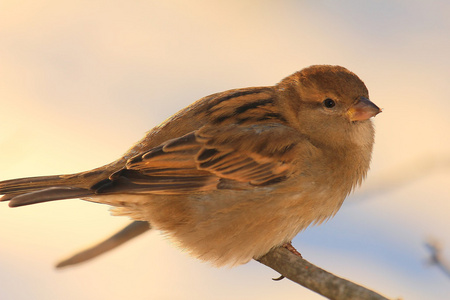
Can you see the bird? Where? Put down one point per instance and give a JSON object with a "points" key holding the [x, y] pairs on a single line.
{"points": [[236, 173]]}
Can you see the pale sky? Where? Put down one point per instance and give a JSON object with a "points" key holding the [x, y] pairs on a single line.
{"points": [[81, 81]]}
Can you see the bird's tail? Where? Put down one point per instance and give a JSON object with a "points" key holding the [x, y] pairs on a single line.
{"points": [[31, 190]]}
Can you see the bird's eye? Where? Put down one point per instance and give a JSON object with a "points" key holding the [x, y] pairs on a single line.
{"points": [[329, 103]]}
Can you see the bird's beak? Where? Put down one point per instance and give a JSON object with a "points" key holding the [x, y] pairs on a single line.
{"points": [[362, 109]]}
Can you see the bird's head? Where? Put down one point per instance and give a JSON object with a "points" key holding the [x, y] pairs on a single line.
{"points": [[329, 104]]}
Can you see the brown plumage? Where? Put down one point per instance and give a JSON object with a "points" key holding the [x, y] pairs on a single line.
{"points": [[236, 173]]}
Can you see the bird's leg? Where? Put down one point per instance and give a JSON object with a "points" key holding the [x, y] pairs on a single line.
{"points": [[292, 249]]}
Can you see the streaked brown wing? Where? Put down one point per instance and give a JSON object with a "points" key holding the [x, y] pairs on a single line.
{"points": [[198, 161], [257, 154]]}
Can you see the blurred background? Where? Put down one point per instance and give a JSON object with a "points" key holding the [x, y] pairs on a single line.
{"points": [[81, 81]]}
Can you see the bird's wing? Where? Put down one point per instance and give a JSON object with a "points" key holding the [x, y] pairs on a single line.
{"points": [[201, 160]]}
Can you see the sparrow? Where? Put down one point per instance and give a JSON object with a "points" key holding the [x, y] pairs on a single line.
{"points": [[236, 173]]}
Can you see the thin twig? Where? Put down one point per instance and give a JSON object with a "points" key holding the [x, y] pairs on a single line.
{"points": [[436, 258], [131, 231], [280, 259], [314, 278]]}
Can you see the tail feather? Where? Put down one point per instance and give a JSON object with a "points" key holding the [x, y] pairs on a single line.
{"points": [[49, 194], [31, 190], [7, 197], [29, 184]]}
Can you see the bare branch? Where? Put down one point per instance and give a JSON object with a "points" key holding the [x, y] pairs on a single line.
{"points": [[436, 258], [280, 259], [314, 278], [131, 231]]}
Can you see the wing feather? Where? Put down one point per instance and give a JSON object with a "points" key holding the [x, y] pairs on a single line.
{"points": [[200, 160]]}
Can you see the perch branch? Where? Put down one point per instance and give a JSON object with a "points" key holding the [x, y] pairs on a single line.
{"points": [[131, 231], [436, 258], [280, 259], [314, 278]]}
